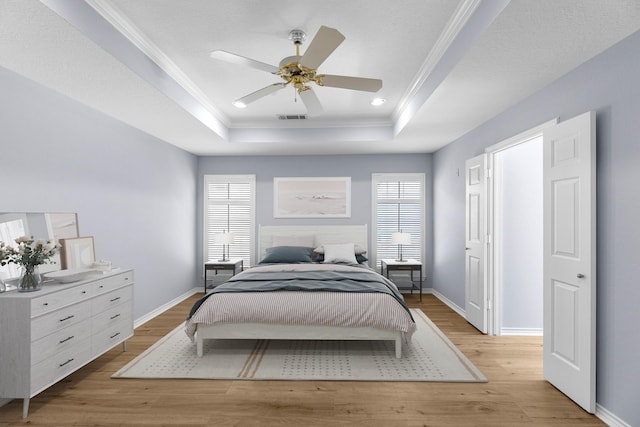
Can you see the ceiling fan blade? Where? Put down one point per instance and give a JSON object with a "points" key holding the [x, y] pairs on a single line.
{"points": [[353, 83], [241, 60], [260, 93], [311, 102], [325, 41]]}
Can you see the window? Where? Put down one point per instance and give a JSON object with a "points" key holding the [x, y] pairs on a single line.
{"points": [[229, 207], [398, 205]]}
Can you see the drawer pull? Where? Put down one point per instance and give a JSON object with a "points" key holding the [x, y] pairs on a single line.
{"points": [[68, 317], [66, 363], [66, 339], [45, 304], [114, 299], [84, 292], [101, 286], [114, 316], [114, 335]]}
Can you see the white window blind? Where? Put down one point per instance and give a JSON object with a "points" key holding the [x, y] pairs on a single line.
{"points": [[398, 205], [230, 207]]}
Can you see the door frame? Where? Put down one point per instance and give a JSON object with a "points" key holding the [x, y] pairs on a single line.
{"points": [[494, 249]]}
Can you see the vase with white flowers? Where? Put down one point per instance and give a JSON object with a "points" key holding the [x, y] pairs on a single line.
{"points": [[29, 254]]}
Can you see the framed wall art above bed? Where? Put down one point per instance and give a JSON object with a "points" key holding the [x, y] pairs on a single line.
{"points": [[326, 197]]}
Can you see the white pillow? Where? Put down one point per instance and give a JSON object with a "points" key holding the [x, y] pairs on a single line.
{"points": [[357, 249], [305, 241], [344, 253]]}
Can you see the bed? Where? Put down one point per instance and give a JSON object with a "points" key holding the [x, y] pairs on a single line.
{"points": [[309, 285]]}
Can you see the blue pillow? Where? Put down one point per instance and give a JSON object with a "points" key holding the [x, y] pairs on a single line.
{"points": [[287, 255]]}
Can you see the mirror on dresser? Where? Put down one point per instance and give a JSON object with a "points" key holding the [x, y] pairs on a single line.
{"points": [[40, 225]]}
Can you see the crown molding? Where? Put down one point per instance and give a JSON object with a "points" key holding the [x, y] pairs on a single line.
{"points": [[466, 26], [128, 29], [456, 23]]}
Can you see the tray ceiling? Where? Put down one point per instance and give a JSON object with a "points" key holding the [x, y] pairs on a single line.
{"points": [[446, 66]]}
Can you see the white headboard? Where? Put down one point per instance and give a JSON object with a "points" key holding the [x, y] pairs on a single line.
{"points": [[323, 234]]}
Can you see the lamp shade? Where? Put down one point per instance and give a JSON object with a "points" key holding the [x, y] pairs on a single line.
{"points": [[223, 238], [401, 238]]}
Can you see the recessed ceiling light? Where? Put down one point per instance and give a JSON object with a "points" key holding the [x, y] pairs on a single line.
{"points": [[378, 101], [239, 104]]}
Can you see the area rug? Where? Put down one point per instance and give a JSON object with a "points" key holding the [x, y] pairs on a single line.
{"points": [[429, 357]]}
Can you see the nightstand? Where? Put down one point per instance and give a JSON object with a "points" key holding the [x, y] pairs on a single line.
{"points": [[406, 265], [234, 265]]}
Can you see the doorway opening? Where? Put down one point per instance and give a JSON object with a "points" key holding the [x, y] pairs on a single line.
{"points": [[516, 267]]}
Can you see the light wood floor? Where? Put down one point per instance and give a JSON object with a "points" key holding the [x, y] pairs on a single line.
{"points": [[516, 394]]}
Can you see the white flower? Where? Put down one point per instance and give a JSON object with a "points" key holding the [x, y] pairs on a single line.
{"points": [[29, 252]]}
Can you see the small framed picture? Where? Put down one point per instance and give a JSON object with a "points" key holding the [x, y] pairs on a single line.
{"points": [[77, 252]]}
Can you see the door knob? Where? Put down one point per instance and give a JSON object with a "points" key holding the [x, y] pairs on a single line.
{"points": [[580, 276], [466, 249]]}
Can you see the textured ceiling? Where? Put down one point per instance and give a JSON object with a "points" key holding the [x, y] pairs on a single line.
{"points": [[446, 66]]}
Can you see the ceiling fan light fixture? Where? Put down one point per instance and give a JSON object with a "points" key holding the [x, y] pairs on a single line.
{"points": [[376, 102], [297, 36]]}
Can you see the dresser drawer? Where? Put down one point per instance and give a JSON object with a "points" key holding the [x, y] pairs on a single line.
{"points": [[56, 300], [112, 315], [112, 327], [111, 299], [60, 365], [59, 319], [59, 341], [114, 282]]}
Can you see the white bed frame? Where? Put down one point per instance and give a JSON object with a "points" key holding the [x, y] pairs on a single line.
{"points": [[324, 234]]}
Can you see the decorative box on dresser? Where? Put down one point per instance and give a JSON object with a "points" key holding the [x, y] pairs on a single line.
{"points": [[48, 334]]}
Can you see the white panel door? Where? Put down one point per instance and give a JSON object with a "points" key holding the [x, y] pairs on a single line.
{"points": [[569, 259], [475, 244]]}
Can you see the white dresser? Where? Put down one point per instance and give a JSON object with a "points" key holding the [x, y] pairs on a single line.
{"points": [[48, 334]]}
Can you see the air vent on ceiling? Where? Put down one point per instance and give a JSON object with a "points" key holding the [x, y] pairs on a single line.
{"points": [[292, 116]]}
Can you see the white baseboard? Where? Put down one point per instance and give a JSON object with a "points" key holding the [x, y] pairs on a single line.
{"points": [[526, 332], [158, 311], [448, 302], [609, 418]]}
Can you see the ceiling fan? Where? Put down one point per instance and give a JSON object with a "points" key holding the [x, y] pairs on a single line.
{"points": [[299, 71]]}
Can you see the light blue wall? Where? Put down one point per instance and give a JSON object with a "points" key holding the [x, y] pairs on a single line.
{"points": [[358, 167], [610, 85], [133, 193]]}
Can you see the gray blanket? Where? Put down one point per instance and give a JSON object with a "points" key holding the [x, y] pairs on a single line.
{"points": [[308, 281]]}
